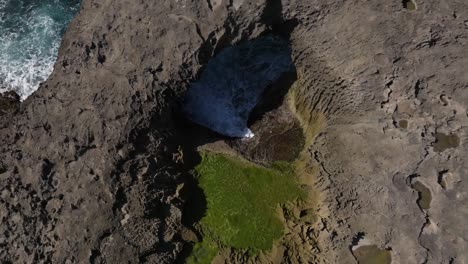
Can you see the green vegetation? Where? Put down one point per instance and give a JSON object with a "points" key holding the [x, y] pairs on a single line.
{"points": [[203, 252], [245, 203], [242, 201], [372, 255], [312, 121]]}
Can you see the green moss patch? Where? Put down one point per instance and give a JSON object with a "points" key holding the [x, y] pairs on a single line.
{"points": [[203, 252], [242, 200]]}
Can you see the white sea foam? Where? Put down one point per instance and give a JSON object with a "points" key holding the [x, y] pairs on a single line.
{"points": [[30, 34], [232, 83], [24, 73]]}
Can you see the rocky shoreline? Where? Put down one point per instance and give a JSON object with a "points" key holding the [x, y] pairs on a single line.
{"points": [[90, 163]]}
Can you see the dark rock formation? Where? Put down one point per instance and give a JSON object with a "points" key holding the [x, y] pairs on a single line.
{"points": [[9, 103], [90, 165]]}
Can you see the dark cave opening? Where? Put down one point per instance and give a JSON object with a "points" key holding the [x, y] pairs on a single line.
{"points": [[242, 92], [235, 81], [239, 104]]}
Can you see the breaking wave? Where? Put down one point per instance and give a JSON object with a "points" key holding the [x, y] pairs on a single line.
{"points": [[30, 36]]}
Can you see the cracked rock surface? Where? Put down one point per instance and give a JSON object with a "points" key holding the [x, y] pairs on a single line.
{"points": [[90, 165]]}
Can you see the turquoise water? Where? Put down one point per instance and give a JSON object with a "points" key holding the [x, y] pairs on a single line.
{"points": [[30, 36], [232, 83]]}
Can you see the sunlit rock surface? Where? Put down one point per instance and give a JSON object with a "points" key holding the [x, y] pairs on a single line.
{"points": [[91, 165]]}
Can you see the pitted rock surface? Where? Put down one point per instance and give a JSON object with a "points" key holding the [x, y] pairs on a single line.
{"points": [[89, 167]]}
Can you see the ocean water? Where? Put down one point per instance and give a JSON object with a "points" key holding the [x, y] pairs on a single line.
{"points": [[232, 83], [30, 36]]}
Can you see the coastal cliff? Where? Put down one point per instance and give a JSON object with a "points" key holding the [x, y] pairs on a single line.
{"points": [[90, 166]]}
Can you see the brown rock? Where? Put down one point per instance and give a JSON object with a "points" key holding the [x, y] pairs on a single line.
{"points": [[94, 144]]}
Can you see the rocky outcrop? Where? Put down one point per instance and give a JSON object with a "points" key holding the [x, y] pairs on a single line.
{"points": [[89, 171], [92, 168], [9, 103]]}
